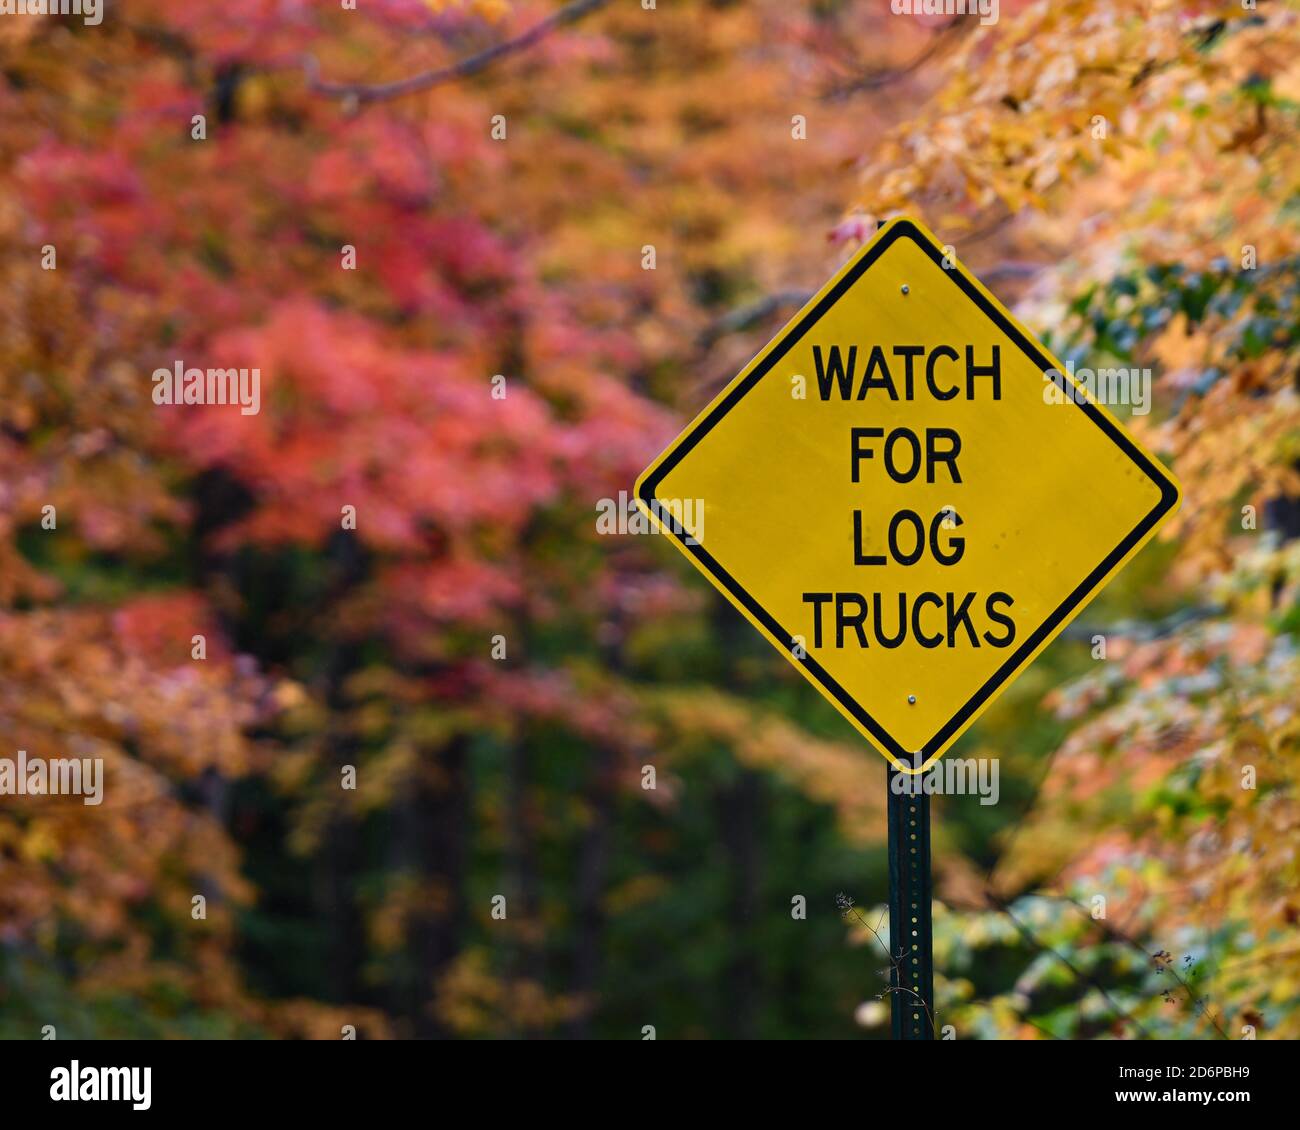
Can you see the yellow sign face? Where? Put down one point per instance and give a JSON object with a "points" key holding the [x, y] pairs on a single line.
{"points": [[907, 495]]}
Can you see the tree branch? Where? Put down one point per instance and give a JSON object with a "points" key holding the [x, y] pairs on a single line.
{"points": [[1114, 933], [875, 79], [1143, 631], [743, 317], [1079, 975], [472, 65]]}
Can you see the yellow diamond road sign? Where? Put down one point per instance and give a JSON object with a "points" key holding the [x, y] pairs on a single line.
{"points": [[907, 495]]}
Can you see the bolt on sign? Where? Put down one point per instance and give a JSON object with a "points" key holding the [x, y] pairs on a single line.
{"points": [[907, 495]]}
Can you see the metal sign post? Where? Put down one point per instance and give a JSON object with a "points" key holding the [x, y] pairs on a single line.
{"points": [[911, 939]]}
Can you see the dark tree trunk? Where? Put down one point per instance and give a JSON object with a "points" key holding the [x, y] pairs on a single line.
{"points": [[432, 835], [592, 873], [524, 897], [1282, 513], [740, 811]]}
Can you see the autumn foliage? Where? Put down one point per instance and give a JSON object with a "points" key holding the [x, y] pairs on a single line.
{"points": [[394, 567]]}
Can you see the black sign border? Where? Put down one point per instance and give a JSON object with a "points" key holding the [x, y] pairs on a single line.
{"points": [[1083, 592]]}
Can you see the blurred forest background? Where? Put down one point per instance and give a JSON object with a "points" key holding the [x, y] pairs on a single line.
{"points": [[1124, 175]]}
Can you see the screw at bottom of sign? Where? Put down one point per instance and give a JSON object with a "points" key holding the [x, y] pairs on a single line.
{"points": [[911, 700]]}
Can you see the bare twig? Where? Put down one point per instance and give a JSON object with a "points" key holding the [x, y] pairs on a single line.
{"points": [[896, 985], [471, 65], [1115, 934]]}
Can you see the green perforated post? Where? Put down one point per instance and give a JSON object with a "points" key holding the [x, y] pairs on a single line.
{"points": [[911, 940]]}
